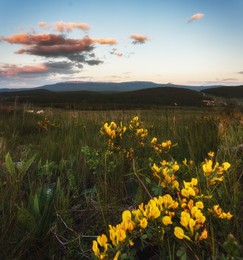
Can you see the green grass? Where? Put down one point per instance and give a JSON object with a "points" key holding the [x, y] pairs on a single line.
{"points": [[73, 186]]}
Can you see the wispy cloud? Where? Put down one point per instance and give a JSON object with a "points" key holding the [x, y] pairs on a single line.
{"points": [[230, 79], [240, 72], [64, 26], [197, 16], [116, 52], [138, 38], [109, 41]]}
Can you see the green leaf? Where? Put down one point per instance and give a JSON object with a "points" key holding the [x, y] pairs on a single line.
{"points": [[10, 165], [35, 205], [157, 190], [148, 180], [181, 253], [144, 236], [26, 219], [24, 166]]}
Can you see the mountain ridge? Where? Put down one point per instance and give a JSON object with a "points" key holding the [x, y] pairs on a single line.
{"points": [[108, 86]]}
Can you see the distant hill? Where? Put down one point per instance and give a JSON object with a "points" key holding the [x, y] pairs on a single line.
{"points": [[149, 97], [105, 86], [225, 92]]}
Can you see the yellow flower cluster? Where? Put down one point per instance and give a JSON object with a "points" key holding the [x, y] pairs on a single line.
{"points": [[214, 171], [181, 210], [157, 207], [46, 124], [161, 147], [117, 134], [139, 132], [160, 209], [186, 213], [114, 134], [190, 189], [218, 212], [165, 173], [158, 212], [192, 220], [118, 235]]}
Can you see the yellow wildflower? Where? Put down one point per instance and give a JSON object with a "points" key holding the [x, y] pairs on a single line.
{"points": [[127, 223], [126, 215], [153, 209], [185, 217], [154, 140], [175, 167], [185, 162], [194, 182], [113, 125], [207, 167], [211, 154], [95, 248], [199, 204], [167, 220], [121, 235], [156, 168], [191, 225], [143, 223], [131, 243], [185, 193], [175, 185], [224, 215], [226, 166], [163, 162], [102, 240], [179, 233], [204, 234], [137, 214], [214, 180]]}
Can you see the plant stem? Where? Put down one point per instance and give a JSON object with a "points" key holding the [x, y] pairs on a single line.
{"points": [[139, 179]]}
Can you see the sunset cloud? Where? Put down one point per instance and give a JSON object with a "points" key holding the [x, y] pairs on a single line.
{"points": [[138, 38], [30, 39], [197, 16], [63, 55], [110, 41], [50, 67], [64, 26], [79, 51], [240, 72], [8, 70]]}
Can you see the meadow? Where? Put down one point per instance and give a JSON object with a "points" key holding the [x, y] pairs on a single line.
{"points": [[121, 184]]}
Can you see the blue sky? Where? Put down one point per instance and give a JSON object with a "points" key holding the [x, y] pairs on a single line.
{"points": [[191, 42]]}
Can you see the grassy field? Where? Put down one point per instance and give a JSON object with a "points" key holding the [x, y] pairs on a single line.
{"points": [[64, 181]]}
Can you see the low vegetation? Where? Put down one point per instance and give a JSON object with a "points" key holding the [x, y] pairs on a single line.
{"points": [[130, 184]]}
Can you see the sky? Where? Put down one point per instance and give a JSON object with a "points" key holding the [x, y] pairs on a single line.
{"points": [[186, 42]]}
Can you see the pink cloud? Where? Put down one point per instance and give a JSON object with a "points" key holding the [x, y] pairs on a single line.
{"points": [[54, 44], [110, 41], [29, 39], [8, 70], [197, 16], [64, 26], [138, 38], [77, 51]]}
